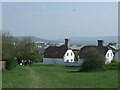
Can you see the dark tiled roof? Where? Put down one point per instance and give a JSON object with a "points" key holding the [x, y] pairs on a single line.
{"points": [[55, 51], [102, 49]]}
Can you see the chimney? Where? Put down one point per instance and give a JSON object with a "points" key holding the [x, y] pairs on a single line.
{"points": [[67, 43], [100, 42]]}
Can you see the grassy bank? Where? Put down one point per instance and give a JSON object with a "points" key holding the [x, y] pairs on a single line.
{"points": [[46, 76]]}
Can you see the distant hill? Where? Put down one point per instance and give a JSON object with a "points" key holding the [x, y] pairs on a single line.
{"points": [[91, 40], [34, 39], [76, 40]]}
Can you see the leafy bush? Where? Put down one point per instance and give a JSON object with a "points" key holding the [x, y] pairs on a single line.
{"points": [[111, 66], [93, 60], [35, 57], [113, 61], [76, 55], [10, 63]]}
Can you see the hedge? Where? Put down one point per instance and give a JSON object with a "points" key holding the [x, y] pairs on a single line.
{"points": [[10, 63]]}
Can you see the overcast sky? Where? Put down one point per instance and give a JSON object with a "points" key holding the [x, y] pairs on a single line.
{"points": [[52, 20], [0, 16]]}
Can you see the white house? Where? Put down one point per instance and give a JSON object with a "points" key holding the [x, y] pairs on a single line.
{"points": [[69, 56], [104, 50], [58, 54], [109, 56], [116, 48]]}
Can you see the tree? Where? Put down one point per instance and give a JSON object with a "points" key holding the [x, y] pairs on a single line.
{"points": [[27, 46], [21, 49], [35, 57], [24, 48], [76, 55], [8, 49], [93, 60]]}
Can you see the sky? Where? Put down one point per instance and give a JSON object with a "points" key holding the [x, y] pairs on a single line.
{"points": [[55, 20], [0, 16]]}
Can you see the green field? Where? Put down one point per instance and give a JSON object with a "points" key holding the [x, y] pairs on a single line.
{"points": [[46, 76], [0, 79]]}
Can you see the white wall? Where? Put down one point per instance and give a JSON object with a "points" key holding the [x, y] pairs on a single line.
{"points": [[69, 56], [109, 56], [58, 61], [78, 63], [117, 56], [48, 61], [61, 62]]}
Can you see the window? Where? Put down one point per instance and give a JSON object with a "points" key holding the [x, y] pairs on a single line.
{"points": [[71, 60], [71, 54], [67, 60], [108, 55], [111, 54], [67, 54]]}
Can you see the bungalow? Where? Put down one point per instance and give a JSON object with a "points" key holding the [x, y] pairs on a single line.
{"points": [[58, 54], [104, 50]]}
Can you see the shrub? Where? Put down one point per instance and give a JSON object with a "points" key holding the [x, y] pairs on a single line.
{"points": [[35, 57], [10, 63], [113, 61], [76, 55], [111, 66], [119, 66], [93, 60]]}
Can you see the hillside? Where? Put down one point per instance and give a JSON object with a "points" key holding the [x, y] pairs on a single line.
{"points": [[76, 40], [91, 40], [34, 39]]}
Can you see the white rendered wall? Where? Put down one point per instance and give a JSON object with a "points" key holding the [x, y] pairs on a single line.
{"points": [[117, 56], [58, 61], [109, 56], [61, 62], [48, 61], [69, 56]]}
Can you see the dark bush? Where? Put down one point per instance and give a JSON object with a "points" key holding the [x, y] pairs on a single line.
{"points": [[10, 63], [111, 66], [76, 55], [119, 66], [113, 61], [93, 60]]}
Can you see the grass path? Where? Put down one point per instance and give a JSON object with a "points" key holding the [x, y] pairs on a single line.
{"points": [[45, 76], [34, 77]]}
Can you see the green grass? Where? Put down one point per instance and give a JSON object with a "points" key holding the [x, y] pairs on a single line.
{"points": [[0, 79], [47, 76]]}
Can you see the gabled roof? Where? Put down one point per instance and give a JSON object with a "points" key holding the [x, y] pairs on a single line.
{"points": [[102, 49], [55, 51], [114, 49]]}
